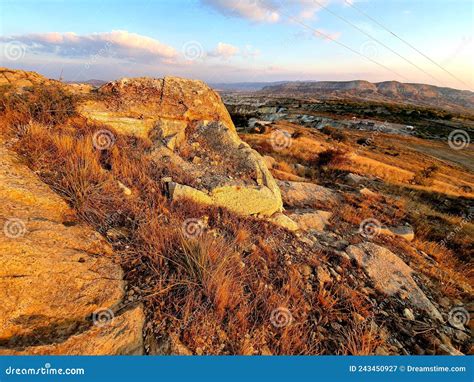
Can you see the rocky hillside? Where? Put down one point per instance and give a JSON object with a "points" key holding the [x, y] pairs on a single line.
{"points": [[155, 228], [389, 91]]}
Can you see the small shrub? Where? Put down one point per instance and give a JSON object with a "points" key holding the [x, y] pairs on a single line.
{"points": [[296, 134], [330, 157], [334, 133], [46, 104], [424, 177]]}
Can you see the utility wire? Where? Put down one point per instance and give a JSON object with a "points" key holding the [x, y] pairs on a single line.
{"points": [[314, 30], [404, 41], [377, 41]]}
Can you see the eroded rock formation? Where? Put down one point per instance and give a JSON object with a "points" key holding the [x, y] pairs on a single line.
{"points": [[56, 275], [190, 128]]}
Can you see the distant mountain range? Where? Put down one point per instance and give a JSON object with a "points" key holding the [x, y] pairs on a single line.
{"points": [[244, 86], [389, 91], [95, 83]]}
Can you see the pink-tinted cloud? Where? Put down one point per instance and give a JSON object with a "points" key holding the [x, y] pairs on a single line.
{"points": [[269, 11], [118, 43], [224, 51], [256, 10]]}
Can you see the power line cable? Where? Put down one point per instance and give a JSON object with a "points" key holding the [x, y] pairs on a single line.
{"points": [[377, 41], [404, 41], [314, 30]]}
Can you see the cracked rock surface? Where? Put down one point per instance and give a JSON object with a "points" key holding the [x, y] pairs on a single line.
{"points": [[55, 274]]}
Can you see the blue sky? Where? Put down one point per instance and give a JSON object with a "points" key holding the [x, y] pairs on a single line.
{"points": [[239, 40]]}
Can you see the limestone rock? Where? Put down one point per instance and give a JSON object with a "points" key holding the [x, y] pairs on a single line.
{"points": [[269, 161], [323, 276], [314, 219], [391, 275], [54, 273], [122, 335], [126, 191], [190, 130], [135, 106], [286, 176], [302, 170], [355, 178], [19, 79], [408, 314], [405, 231], [366, 192], [284, 221], [301, 195]]}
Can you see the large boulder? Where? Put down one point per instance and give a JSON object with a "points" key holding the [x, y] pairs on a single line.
{"points": [[121, 335], [55, 274], [190, 130], [305, 195], [391, 275], [19, 79], [311, 219]]}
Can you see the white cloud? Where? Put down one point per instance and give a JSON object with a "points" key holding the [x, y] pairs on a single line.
{"points": [[118, 43], [227, 51], [256, 10], [269, 10], [224, 51]]}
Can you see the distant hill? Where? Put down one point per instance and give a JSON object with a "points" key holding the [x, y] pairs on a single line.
{"points": [[389, 91], [244, 86]]}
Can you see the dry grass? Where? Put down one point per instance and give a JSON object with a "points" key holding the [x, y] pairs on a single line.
{"points": [[216, 291], [432, 195], [362, 339]]}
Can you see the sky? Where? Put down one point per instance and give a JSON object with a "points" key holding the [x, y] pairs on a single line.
{"points": [[242, 40]]}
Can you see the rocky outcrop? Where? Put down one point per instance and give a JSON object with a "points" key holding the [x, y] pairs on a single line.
{"points": [[19, 79], [311, 220], [404, 231], [121, 335], [391, 275], [55, 275], [284, 221], [304, 195], [190, 128]]}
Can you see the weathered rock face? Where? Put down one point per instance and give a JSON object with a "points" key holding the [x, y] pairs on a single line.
{"points": [[391, 275], [304, 195], [137, 105], [404, 231], [55, 274], [20, 78], [121, 335], [190, 129], [311, 220]]}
